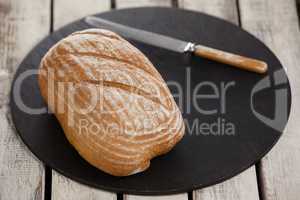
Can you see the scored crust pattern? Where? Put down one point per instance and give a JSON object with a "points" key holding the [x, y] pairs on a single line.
{"points": [[113, 105]]}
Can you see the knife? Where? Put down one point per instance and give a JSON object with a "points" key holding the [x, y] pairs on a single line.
{"points": [[180, 46]]}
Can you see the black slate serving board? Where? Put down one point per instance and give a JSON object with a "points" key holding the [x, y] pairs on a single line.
{"points": [[200, 159]]}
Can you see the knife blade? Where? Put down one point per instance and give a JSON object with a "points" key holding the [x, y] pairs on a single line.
{"points": [[146, 37], [178, 45]]}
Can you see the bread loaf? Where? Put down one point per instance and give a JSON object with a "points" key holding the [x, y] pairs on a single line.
{"points": [[113, 105]]}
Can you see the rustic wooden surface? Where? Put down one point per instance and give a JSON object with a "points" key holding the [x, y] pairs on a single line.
{"points": [[168, 197], [21, 174], [275, 23], [138, 3], [66, 189], [223, 9], [66, 11]]}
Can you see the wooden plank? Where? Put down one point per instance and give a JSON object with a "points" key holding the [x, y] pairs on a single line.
{"points": [[4, 87], [219, 8], [67, 11], [276, 23], [66, 189], [136, 3], [140, 3], [21, 174], [167, 197], [243, 186], [62, 187]]}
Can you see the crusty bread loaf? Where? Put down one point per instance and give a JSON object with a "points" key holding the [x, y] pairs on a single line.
{"points": [[113, 105]]}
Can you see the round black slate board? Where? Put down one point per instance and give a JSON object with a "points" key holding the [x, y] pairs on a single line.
{"points": [[199, 160]]}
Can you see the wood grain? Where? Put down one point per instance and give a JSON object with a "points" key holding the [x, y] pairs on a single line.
{"points": [[232, 60], [219, 8], [4, 87], [277, 25], [62, 187], [22, 25], [243, 186], [167, 197], [66, 11], [140, 3]]}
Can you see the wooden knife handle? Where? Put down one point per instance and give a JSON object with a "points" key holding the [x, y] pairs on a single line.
{"points": [[234, 60]]}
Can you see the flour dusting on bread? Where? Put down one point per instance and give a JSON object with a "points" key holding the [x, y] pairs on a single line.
{"points": [[113, 105]]}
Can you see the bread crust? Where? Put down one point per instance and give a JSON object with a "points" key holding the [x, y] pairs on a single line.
{"points": [[113, 105]]}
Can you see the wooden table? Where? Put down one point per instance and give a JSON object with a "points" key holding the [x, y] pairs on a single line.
{"points": [[24, 23]]}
